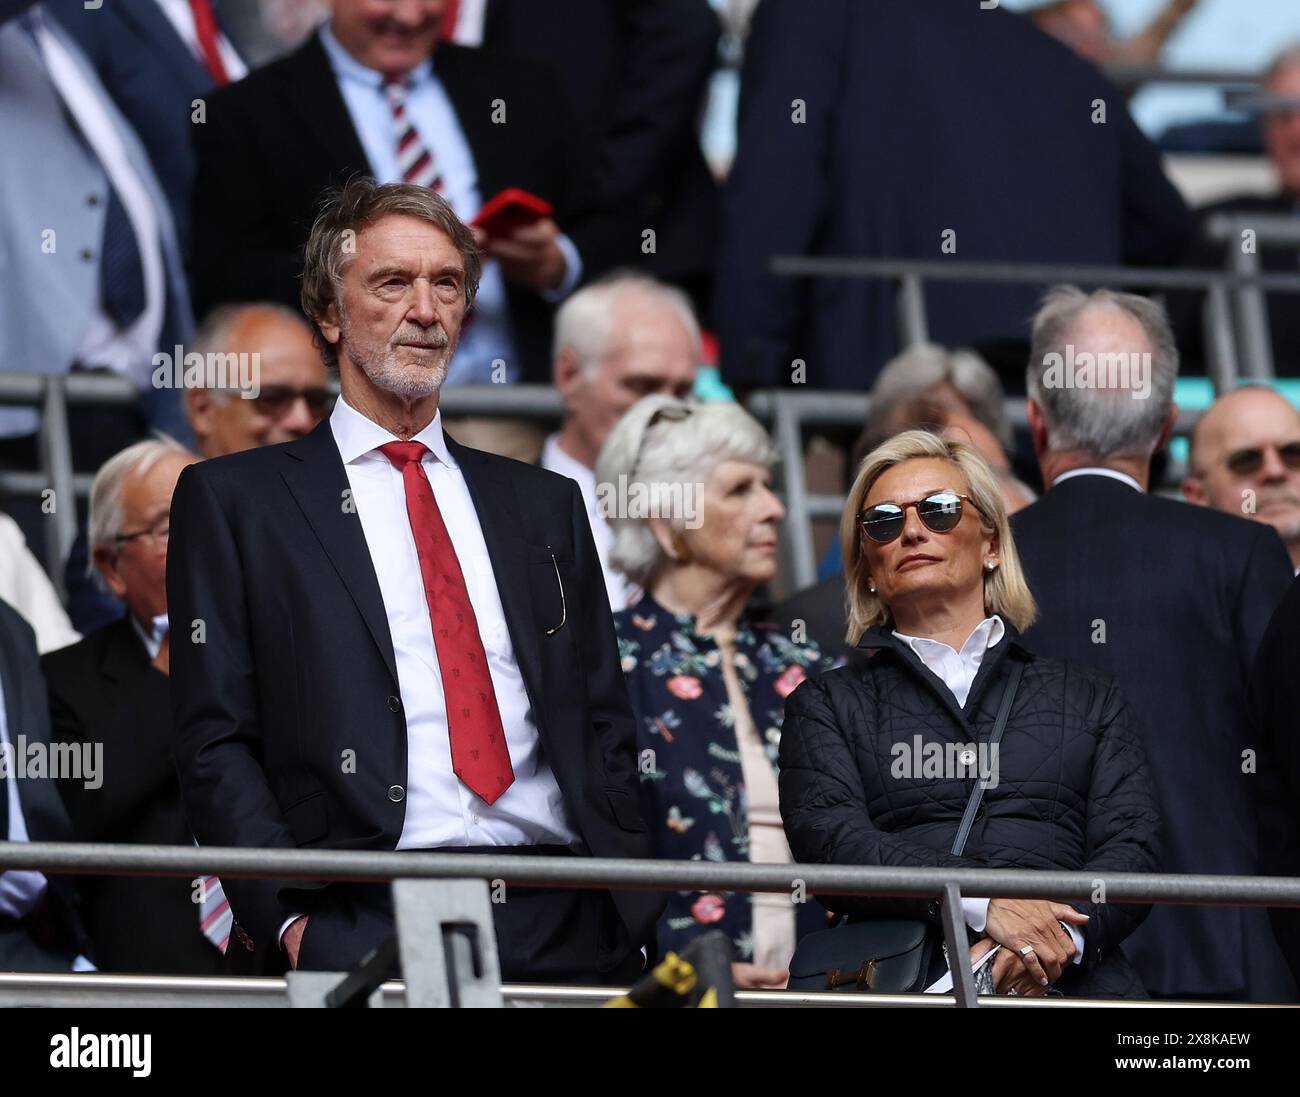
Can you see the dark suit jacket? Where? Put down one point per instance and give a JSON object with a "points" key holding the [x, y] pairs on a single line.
{"points": [[1184, 594], [635, 73], [154, 78], [277, 139], [823, 611], [296, 664], [103, 690], [920, 118], [1277, 710], [49, 938]]}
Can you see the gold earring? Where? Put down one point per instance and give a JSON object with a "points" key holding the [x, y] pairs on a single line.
{"points": [[681, 549]]}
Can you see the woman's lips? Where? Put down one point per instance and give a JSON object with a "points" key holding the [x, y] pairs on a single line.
{"points": [[911, 563]]}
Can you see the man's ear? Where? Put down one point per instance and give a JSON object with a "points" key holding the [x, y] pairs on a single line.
{"points": [[1169, 429], [106, 563], [199, 404], [567, 372], [328, 322], [1037, 428], [1194, 490]]}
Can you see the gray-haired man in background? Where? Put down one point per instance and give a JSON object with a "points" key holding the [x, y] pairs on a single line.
{"points": [[1169, 598]]}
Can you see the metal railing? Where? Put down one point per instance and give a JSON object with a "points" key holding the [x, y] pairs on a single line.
{"points": [[946, 886], [1226, 345], [54, 393]]}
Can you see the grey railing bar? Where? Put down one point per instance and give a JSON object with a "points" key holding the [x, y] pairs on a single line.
{"points": [[56, 463], [912, 321], [1026, 273], [646, 875]]}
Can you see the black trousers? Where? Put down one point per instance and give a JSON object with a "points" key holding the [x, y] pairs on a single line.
{"points": [[544, 935]]}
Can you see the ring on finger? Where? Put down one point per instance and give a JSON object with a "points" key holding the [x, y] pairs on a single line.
{"points": [[1028, 950]]}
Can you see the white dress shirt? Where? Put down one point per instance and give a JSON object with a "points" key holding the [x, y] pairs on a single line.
{"points": [[25, 586], [470, 21], [181, 16], [489, 338], [1097, 470], [127, 351], [440, 810], [958, 670], [622, 592]]}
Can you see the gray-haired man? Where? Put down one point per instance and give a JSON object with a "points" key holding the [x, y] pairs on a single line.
{"points": [[1169, 598]]}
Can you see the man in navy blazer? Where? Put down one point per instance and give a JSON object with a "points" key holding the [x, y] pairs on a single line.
{"points": [[1173, 600], [323, 643], [936, 130]]}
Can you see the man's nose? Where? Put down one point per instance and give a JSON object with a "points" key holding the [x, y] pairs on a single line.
{"points": [[424, 304], [1272, 468], [299, 419]]}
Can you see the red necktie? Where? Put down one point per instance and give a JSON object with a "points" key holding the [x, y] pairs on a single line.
{"points": [[447, 31], [479, 756], [205, 28]]}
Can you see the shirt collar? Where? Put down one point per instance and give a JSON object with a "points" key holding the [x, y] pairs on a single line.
{"points": [[347, 67], [556, 460], [1093, 470], [356, 436], [988, 633]]}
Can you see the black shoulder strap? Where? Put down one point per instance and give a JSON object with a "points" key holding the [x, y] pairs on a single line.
{"points": [[977, 793]]}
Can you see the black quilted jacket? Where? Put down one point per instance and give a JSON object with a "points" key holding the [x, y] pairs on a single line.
{"points": [[1074, 792]]}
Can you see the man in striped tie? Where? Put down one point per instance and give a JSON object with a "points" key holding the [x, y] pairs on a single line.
{"points": [[375, 92]]}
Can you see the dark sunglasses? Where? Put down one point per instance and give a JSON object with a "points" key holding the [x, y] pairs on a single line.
{"points": [[940, 512], [275, 401], [1247, 462]]}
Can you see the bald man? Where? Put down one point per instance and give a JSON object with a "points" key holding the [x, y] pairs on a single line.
{"points": [[1245, 459], [292, 393]]}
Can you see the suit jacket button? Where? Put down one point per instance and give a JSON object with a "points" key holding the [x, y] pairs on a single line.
{"points": [[394, 704], [396, 793]]}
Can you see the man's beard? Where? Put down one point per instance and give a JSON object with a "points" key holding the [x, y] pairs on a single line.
{"points": [[410, 381]]}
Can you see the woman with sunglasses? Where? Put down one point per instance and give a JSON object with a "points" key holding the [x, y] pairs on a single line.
{"points": [[707, 673], [878, 763]]}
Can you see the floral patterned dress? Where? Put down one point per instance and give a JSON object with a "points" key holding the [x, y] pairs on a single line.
{"points": [[692, 783]]}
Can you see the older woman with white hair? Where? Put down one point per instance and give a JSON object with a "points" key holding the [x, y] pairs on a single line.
{"points": [[954, 746], [688, 489]]}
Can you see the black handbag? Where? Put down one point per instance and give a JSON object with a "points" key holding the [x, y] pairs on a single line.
{"points": [[887, 955]]}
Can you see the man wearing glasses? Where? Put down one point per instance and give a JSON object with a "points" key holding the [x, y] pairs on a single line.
{"points": [[111, 689], [1245, 459], [291, 395]]}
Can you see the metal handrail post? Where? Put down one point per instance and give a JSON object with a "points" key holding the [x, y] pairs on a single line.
{"points": [[1220, 347], [1252, 316], [56, 463], [913, 325], [954, 935], [800, 553]]}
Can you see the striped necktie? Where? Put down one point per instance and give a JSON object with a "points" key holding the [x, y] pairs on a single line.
{"points": [[415, 161], [215, 918]]}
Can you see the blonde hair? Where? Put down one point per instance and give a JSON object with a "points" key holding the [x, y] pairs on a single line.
{"points": [[1005, 590]]}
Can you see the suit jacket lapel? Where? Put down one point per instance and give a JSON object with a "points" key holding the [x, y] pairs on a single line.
{"points": [[456, 68], [490, 490], [154, 26], [313, 91], [318, 481]]}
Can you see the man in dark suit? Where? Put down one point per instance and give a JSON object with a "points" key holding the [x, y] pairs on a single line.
{"points": [[635, 73], [110, 690], [40, 925], [1274, 691], [394, 641], [369, 95], [1172, 600], [897, 129], [157, 59]]}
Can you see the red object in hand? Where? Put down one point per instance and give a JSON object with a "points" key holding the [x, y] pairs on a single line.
{"points": [[512, 209]]}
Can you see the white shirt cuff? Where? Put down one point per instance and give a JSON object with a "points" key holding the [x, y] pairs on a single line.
{"points": [[279, 937], [976, 913], [572, 271]]}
